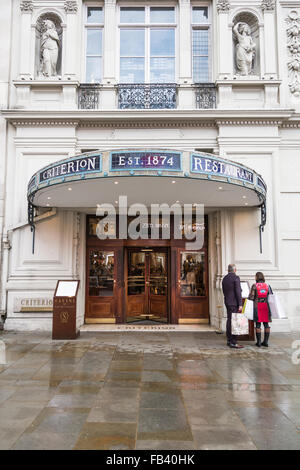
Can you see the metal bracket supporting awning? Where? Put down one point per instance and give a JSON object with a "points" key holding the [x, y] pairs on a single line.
{"points": [[31, 213], [263, 221]]}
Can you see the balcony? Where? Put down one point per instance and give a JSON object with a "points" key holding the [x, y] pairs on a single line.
{"points": [[144, 96], [206, 95], [88, 96]]}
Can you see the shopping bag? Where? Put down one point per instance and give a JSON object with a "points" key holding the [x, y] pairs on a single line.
{"points": [[239, 324], [276, 308], [248, 309]]}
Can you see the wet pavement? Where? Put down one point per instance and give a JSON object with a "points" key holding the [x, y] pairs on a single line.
{"points": [[148, 390]]}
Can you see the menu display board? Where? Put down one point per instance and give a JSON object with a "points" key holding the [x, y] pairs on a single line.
{"points": [[66, 288]]}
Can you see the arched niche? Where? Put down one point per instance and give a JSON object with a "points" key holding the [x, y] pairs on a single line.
{"points": [[48, 64], [252, 21]]}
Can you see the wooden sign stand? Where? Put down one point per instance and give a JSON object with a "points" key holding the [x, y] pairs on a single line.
{"points": [[64, 310]]}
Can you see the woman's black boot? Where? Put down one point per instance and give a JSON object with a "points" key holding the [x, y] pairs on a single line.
{"points": [[266, 339], [258, 339]]}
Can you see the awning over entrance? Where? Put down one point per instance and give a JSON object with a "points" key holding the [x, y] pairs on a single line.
{"points": [[148, 177]]}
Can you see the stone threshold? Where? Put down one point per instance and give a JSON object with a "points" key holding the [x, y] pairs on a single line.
{"points": [[147, 328]]}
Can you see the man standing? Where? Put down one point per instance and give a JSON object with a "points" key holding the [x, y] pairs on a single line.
{"points": [[232, 291]]}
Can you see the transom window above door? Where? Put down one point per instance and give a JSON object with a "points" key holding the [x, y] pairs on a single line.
{"points": [[147, 44]]}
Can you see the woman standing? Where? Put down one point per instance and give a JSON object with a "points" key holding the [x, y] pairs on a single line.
{"points": [[262, 314]]}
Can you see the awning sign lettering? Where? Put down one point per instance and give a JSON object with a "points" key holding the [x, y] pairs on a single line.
{"points": [[87, 164], [145, 161], [206, 165]]}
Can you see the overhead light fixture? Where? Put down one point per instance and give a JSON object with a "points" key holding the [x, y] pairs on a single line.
{"points": [[69, 189], [48, 197], [116, 182], [244, 197], [173, 182], [220, 188]]}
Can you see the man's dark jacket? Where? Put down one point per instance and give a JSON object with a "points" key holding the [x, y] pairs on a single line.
{"points": [[232, 291]]}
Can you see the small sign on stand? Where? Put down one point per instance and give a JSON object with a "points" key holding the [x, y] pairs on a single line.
{"points": [[64, 310]]}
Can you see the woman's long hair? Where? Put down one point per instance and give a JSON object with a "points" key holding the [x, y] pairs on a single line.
{"points": [[259, 277]]}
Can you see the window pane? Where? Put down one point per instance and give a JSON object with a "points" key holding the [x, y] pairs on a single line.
{"points": [[192, 274], [162, 70], [132, 70], [162, 42], [93, 70], [94, 42], [200, 15], [200, 42], [132, 42], [162, 15], [132, 15], [94, 15], [200, 69], [101, 273]]}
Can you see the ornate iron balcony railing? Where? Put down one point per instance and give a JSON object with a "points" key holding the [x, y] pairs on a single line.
{"points": [[146, 96], [88, 96], [206, 96]]}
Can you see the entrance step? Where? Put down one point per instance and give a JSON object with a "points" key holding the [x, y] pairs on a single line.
{"points": [[145, 328]]}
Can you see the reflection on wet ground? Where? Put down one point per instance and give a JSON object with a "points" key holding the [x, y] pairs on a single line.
{"points": [[148, 390]]}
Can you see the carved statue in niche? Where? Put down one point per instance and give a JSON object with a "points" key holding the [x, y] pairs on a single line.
{"points": [[245, 48], [49, 49]]}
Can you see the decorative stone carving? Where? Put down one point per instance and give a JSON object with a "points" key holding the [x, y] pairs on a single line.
{"points": [[48, 46], [293, 45], [223, 6], [244, 49], [268, 5], [26, 5], [70, 6]]}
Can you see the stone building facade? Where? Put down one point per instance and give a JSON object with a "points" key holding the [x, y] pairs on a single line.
{"points": [[216, 78]]}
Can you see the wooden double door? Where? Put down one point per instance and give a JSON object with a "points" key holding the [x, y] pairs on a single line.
{"points": [[146, 284]]}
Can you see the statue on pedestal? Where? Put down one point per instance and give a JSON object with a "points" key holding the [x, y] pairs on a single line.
{"points": [[49, 49], [245, 48]]}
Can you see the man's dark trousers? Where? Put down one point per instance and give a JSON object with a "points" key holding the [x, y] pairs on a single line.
{"points": [[232, 339]]}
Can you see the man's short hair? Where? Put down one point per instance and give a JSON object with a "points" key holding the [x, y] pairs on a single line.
{"points": [[231, 268]]}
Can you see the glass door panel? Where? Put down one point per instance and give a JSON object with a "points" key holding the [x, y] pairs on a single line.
{"points": [[136, 273], [147, 286], [101, 273], [192, 274], [158, 274]]}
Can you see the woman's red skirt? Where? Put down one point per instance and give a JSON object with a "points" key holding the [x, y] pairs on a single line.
{"points": [[263, 312]]}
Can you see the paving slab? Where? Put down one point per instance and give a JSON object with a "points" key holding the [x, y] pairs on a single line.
{"points": [[166, 390]]}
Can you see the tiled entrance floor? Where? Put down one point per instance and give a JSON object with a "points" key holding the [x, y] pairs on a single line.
{"points": [[135, 390]]}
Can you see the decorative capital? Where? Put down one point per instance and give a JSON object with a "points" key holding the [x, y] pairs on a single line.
{"points": [[26, 6], [110, 3], [223, 6], [70, 6], [268, 5]]}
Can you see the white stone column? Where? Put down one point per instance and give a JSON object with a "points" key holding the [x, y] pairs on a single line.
{"points": [[70, 43], [224, 31], [185, 43], [270, 49], [186, 95], [110, 34], [25, 39]]}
